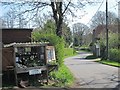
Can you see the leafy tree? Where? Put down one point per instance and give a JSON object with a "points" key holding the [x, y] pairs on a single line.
{"points": [[67, 35], [49, 28]]}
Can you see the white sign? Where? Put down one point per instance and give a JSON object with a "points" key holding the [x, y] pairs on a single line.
{"points": [[34, 71]]}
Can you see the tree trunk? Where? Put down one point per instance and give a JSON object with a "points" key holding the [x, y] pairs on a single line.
{"points": [[58, 17]]}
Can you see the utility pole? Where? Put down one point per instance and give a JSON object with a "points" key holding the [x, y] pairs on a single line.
{"points": [[107, 29], [118, 25]]}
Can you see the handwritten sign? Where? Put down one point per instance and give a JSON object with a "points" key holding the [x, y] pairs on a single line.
{"points": [[34, 71]]}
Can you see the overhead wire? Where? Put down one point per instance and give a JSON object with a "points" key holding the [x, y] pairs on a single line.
{"points": [[117, 2], [96, 11]]}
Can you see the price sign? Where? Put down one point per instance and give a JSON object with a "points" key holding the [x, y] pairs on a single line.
{"points": [[34, 71]]}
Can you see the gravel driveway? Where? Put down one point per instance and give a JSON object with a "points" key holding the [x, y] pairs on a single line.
{"points": [[90, 74]]}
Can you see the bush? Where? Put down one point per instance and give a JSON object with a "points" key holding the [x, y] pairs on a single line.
{"points": [[114, 55], [102, 50], [53, 40]]}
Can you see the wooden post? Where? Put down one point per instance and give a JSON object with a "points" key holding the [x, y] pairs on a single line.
{"points": [[45, 53], [15, 72]]}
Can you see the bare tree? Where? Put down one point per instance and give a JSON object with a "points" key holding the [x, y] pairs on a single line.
{"points": [[10, 18], [58, 8], [79, 31], [100, 19], [13, 19]]}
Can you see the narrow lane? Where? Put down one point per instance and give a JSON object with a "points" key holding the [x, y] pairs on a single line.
{"points": [[89, 74]]}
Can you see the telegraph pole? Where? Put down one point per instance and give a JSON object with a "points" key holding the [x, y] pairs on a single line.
{"points": [[107, 29]]}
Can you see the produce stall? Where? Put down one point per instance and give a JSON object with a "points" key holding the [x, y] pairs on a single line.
{"points": [[28, 62]]}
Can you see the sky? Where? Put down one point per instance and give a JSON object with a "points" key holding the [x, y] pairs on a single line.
{"points": [[90, 10]]}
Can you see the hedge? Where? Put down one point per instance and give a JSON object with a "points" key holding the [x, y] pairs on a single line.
{"points": [[114, 55]]}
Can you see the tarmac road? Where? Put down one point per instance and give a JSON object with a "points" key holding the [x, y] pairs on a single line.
{"points": [[90, 74]]}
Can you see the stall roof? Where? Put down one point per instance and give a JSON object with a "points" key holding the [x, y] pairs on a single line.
{"points": [[27, 44], [30, 29], [18, 35]]}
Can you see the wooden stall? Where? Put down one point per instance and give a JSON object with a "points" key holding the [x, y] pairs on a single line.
{"points": [[28, 61]]}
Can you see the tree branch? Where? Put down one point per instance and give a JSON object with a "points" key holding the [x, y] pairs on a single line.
{"points": [[66, 7]]}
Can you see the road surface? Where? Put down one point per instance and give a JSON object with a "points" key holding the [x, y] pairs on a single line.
{"points": [[90, 74]]}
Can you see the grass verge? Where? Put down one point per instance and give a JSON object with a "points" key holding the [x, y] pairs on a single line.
{"points": [[63, 77], [69, 52], [111, 63]]}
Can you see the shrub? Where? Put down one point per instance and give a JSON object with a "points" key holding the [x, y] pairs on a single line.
{"points": [[102, 50], [114, 55], [53, 40]]}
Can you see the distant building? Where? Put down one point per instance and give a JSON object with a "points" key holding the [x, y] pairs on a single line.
{"points": [[97, 32], [101, 29]]}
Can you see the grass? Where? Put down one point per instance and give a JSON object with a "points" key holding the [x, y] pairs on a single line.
{"points": [[63, 77], [108, 62], [69, 52]]}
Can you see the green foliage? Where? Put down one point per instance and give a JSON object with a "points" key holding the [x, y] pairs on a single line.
{"points": [[55, 41], [67, 34], [113, 43], [62, 77], [102, 50], [113, 40], [114, 55], [49, 27]]}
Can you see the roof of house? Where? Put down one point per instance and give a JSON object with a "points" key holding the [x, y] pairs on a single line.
{"points": [[102, 29]]}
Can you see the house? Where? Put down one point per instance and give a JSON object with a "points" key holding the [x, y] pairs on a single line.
{"points": [[100, 32], [101, 29]]}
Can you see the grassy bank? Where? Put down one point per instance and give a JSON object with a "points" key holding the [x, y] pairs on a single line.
{"points": [[69, 52], [108, 62], [63, 77]]}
